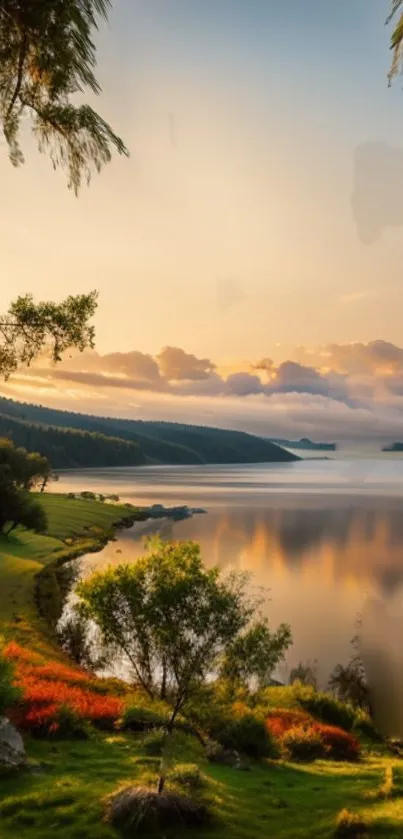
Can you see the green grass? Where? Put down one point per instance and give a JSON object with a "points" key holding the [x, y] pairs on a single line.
{"points": [[74, 526], [277, 800], [63, 793]]}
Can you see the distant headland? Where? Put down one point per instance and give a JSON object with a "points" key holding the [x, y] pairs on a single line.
{"points": [[305, 443], [393, 447]]}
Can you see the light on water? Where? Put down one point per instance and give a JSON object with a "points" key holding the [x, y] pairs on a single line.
{"points": [[322, 537]]}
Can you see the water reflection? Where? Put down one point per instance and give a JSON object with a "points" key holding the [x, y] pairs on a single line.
{"points": [[318, 559]]}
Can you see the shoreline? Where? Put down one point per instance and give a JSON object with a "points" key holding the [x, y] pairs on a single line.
{"points": [[53, 583]]}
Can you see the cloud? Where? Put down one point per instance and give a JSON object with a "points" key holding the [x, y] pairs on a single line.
{"points": [[175, 365], [345, 392], [374, 358]]}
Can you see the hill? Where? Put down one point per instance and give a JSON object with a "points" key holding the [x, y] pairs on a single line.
{"points": [[139, 441]]}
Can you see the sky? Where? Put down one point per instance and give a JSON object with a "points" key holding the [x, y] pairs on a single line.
{"points": [[259, 218]]}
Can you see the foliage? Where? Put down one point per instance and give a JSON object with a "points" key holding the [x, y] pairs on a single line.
{"points": [[280, 720], [153, 742], [325, 707], [305, 674], [139, 716], [247, 734], [168, 615], [9, 692], [339, 744], [27, 469], [55, 699], [47, 57], [29, 328], [396, 41], [349, 825], [187, 775], [18, 508], [73, 637], [303, 743], [254, 654], [349, 683]]}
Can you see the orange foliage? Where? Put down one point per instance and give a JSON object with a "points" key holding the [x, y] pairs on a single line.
{"points": [[48, 688], [282, 720], [339, 744]]}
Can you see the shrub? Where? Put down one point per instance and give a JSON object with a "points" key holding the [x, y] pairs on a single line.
{"points": [[153, 742], [339, 744], [9, 692], [140, 717], [138, 809], [302, 743], [325, 707], [281, 720], [188, 775], [349, 825], [247, 734]]}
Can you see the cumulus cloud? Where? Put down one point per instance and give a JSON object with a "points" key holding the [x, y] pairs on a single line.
{"points": [[375, 358], [346, 391], [177, 365]]}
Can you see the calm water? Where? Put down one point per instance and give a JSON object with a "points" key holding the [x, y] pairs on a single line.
{"points": [[321, 536]]}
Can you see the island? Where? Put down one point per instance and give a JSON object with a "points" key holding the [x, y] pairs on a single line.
{"points": [[303, 443], [393, 447]]}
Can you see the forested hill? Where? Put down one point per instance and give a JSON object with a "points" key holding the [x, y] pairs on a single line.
{"points": [[140, 441]]}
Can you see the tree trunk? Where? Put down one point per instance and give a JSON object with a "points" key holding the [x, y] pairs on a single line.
{"points": [[163, 691], [168, 735]]}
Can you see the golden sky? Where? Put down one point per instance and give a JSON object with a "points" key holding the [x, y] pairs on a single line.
{"points": [[260, 210]]}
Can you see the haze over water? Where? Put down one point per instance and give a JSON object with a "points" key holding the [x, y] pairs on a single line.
{"points": [[320, 536]]}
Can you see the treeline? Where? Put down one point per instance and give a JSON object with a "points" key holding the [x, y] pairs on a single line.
{"points": [[68, 448], [158, 442]]}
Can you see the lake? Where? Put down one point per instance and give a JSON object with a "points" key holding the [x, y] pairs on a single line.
{"points": [[320, 536]]}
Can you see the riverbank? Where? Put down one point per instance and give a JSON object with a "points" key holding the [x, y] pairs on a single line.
{"points": [[31, 564]]}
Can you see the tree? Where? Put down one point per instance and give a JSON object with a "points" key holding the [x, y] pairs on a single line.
{"points": [[47, 57], [17, 508], [29, 328], [171, 618], [349, 682], [28, 470], [305, 674], [396, 41], [251, 658]]}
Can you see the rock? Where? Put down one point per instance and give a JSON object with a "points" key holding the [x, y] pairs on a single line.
{"points": [[12, 750]]}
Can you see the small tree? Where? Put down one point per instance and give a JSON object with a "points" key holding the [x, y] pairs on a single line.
{"points": [[170, 617], [305, 674]]}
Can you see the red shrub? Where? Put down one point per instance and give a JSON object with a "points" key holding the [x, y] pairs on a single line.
{"points": [[282, 720], [339, 744], [51, 691], [14, 652]]}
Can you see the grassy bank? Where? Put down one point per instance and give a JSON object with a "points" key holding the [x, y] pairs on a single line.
{"points": [[75, 527], [63, 789]]}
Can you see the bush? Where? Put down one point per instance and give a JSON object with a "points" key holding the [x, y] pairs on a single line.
{"points": [[281, 720], [9, 692], [140, 717], [301, 743], [326, 707], [349, 825], [153, 742], [138, 809], [188, 775], [247, 734], [339, 744]]}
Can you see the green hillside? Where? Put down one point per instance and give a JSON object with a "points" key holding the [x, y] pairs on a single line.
{"points": [[71, 439]]}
